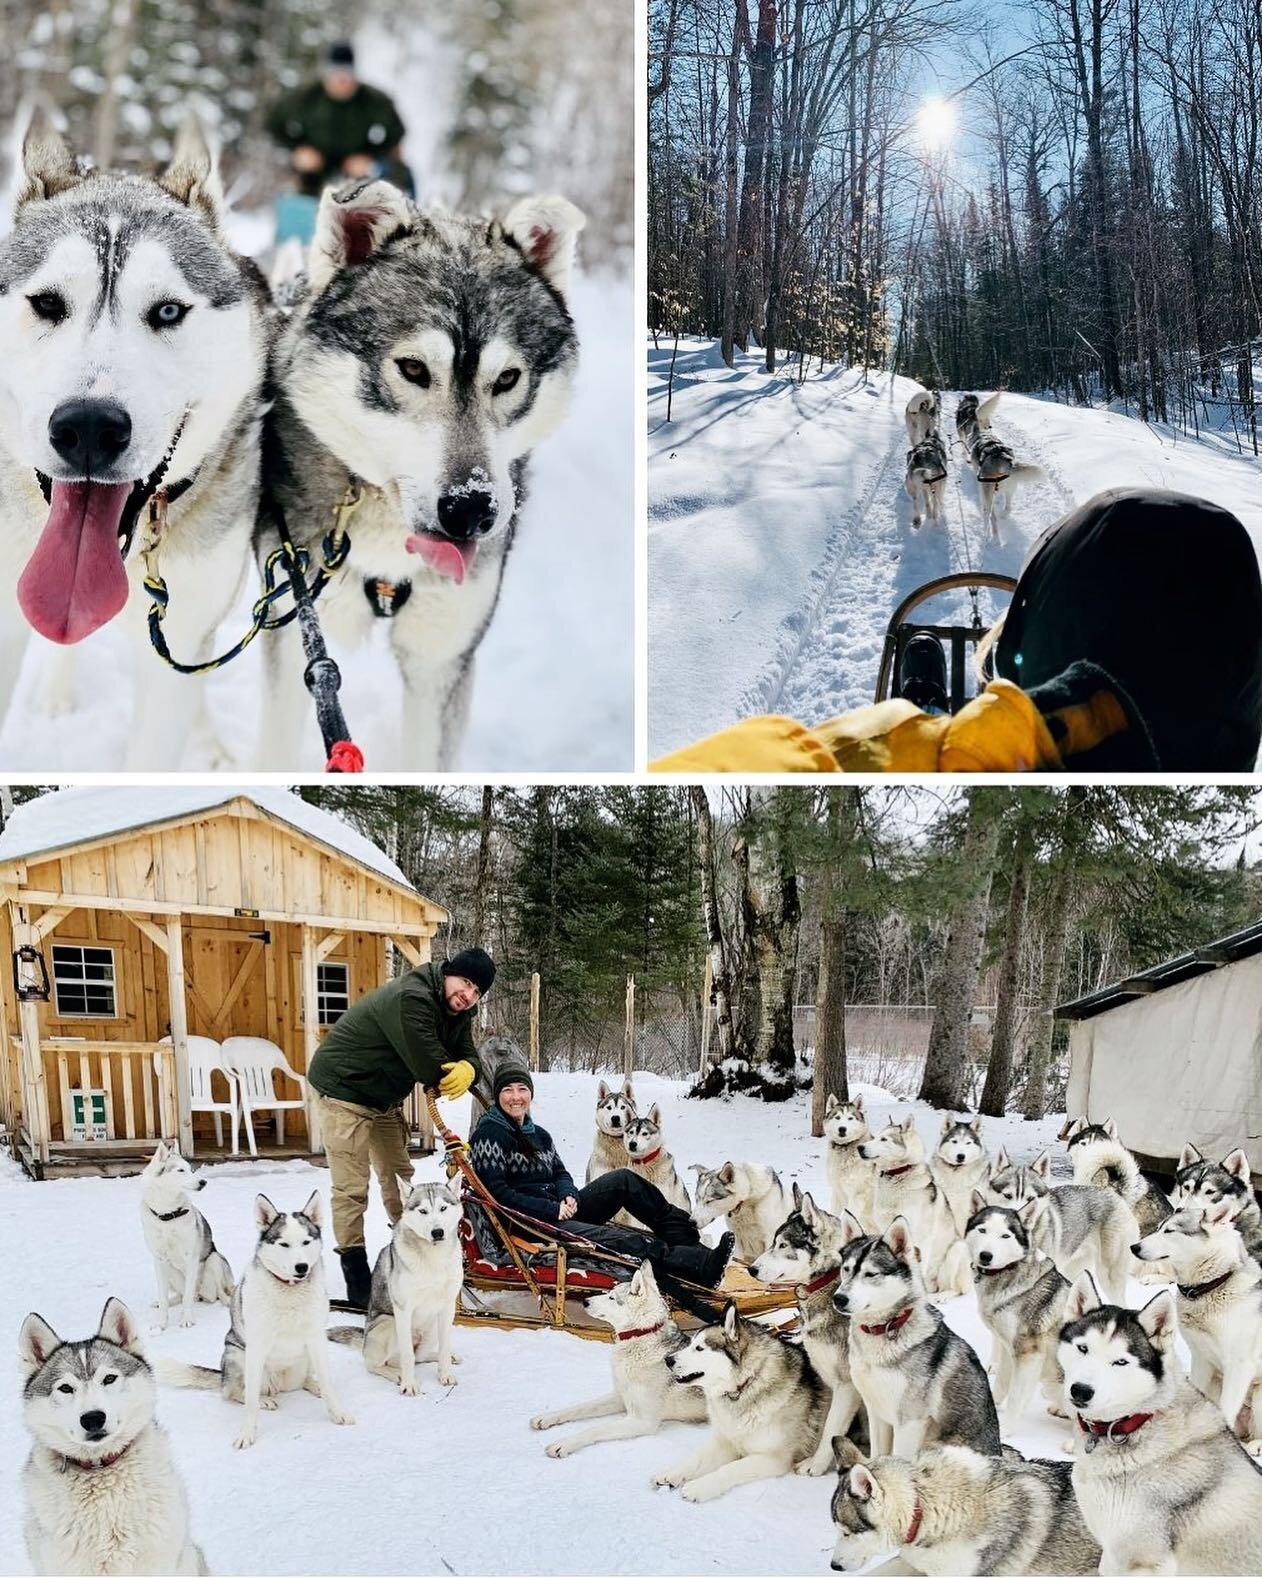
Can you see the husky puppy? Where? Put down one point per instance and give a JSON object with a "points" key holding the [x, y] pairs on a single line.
{"points": [[415, 1284], [615, 1109], [1100, 1158], [921, 1383], [1082, 1228], [1021, 1297], [428, 355], [921, 416], [102, 1492], [905, 1187], [1162, 1483], [277, 1340], [954, 1511], [750, 1196], [806, 1249], [851, 1180], [926, 478], [765, 1404], [1201, 1182], [185, 1259], [647, 1153], [135, 348], [960, 1165], [644, 1393]]}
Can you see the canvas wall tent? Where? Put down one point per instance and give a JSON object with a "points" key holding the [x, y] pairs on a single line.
{"points": [[163, 913], [1175, 1053]]}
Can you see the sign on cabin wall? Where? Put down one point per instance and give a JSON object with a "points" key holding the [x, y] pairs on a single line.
{"points": [[81, 1103]]}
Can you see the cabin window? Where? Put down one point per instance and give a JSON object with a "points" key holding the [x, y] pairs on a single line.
{"points": [[83, 982], [333, 990]]}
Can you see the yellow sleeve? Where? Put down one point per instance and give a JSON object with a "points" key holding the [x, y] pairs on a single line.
{"points": [[767, 744]]}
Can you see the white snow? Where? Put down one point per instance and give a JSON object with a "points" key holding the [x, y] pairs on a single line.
{"points": [[449, 1482], [785, 506], [77, 816]]}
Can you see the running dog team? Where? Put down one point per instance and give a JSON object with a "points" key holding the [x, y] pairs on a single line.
{"points": [[876, 1386], [996, 468]]}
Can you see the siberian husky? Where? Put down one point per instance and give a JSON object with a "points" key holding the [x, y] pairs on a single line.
{"points": [[644, 1393], [101, 1490], [277, 1340], [615, 1109], [1199, 1181], [926, 479], [428, 355], [973, 415], [1100, 1158], [1083, 1228], [185, 1259], [135, 347], [1162, 1483], [921, 1383], [851, 1180], [806, 1249], [646, 1151], [750, 1196], [954, 1511], [960, 1165], [921, 416], [905, 1187], [999, 473], [765, 1404]]}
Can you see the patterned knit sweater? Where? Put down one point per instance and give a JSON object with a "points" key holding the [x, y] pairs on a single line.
{"points": [[519, 1164]]}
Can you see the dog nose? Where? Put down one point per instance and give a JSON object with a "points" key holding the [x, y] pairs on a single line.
{"points": [[300, 1270], [93, 1421], [437, 1233], [670, 1361], [89, 435], [985, 1257], [466, 514], [841, 1303], [1081, 1395], [1135, 1249]]}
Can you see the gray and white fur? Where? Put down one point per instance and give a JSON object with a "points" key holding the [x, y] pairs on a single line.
{"points": [[615, 1109], [645, 1150], [851, 1179], [749, 1195], [1198, 1181], [960, 1165], [187, 1264], [1100, 1158]]}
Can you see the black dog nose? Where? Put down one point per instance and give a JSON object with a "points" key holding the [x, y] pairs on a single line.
{"points": [[89, 435], [300, 1270], [985, 1257], [466, 514], [93, 1421], [841, 1303], [670, 1361], [1081, 1395], [437, 1233]]}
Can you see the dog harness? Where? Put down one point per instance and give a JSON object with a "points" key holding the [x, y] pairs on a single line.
{"points": [[889, 1327], [1200, 1289], [1109, 1429], [640, 1331], [168, 1216]]}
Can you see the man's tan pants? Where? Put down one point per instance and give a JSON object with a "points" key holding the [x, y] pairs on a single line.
{"points": [[358, 1140]]}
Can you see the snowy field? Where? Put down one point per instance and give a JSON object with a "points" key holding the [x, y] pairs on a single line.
{"points": [[453, 1481], [784, 507]]}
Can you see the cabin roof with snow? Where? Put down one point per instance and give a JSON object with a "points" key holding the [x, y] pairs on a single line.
{"points": [[1204, 960]]}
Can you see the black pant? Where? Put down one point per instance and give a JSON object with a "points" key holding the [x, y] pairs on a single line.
{"points": [[626, 1190]]}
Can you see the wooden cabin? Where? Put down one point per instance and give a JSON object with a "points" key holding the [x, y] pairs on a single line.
{"points": [[132, 919]]}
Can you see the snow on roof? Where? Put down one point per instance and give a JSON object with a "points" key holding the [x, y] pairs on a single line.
{"points": [[79, 816]]}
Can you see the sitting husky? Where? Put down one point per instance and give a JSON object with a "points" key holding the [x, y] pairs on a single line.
{"points": [[954, 1511], [750, 1196], [765, 1404], [185, 1259], [107, 414], [921, 416], [851, 1180], [921, 1383], [428, 355], [615, 1109], [644, 1393], [1100, 1158], [1219, 1306], [926, 479], [277, 1340], [1021, 1297], [646, 1151], [1082, 1227], [1162, 1483], [806, 1249], [1201, 1182], [101, 1489], [960, 1165], [905, 1187]]}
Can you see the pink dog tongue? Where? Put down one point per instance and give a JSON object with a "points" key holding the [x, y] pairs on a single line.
{"points": [[442, 556], [76, 581]]}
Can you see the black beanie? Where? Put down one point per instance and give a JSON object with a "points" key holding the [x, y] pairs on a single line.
{"points": [[340, 54], [510, 1074], [476, 965]]}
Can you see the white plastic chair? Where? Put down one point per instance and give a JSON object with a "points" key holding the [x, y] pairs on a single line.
{"points": [[206, 1058], [255, 1061]]}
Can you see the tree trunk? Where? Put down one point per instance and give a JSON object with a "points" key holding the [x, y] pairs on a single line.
{"points": [[482, 880], [994, 1100], [721, 981], [773, 915], [1055, 932], [830, 1076]]}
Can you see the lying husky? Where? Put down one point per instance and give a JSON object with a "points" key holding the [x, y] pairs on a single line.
{"points": [[428, 355], [765, 1404], [135, 345], [905, 1187], [851, 1179], [1100, 1158], [1162, 1483], [960, 1165], [185, 1259], [644, 1393], [750, 1196], [646, 1151], [277, 1340], [921, 416], [101, 1489], [615, 1109], [1199, 1181], [954, 1511], [926, 479]]}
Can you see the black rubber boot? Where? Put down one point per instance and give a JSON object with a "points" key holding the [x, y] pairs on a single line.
{"points": [[699, 1264], [358, 1274], [922, 674]]}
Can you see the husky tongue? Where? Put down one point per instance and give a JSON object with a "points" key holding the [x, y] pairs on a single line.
{"points": [[442, 555], [76, 581]]}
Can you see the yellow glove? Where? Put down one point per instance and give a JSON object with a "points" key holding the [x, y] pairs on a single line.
{"points": [[457, 1077]]}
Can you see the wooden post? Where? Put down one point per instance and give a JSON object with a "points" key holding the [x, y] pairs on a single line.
{"points": [[176, 992], [34, 1088], [628, 1040], [705, 1013], [534, 1021], [310, 1029]]}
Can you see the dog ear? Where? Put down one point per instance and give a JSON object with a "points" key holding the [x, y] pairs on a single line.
{"points": [[602, 1090], [192, 177], [1084, 1297], [977, 1202], [265, 1213], [1224, 1211], [1189, 1156], [655, 1116], [975, 1123], [1030, 1212], [1001, 1161], [637, 1279], [546, 229], [696, 1167], [731, 1322], [857, 1103], [807, 1207], [352, 224], [1157, 1318], [1110, 1128], [1237, 1164], [851, 1228], [36, 1341], [405, 1187], [628, 1090], [846, 1454], [831, 1105], [727, 1173], [1076, 1127], [948, 1118], [48, 165], [797, 1197], [118, 1325], [1041, 1166], [863, 1485], [314, 1208], [898, 1237]]}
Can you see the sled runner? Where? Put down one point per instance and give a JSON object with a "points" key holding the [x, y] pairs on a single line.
{"points": [[957, 639]]}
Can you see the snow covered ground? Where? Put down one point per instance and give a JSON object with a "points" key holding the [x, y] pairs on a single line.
{"points": [[449, 1482], [783, 506]]}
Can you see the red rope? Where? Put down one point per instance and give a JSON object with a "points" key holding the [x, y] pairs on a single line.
{"points": [[345, 757]]}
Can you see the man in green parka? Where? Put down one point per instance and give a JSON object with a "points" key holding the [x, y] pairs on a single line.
{"points": [[414, 1030]]}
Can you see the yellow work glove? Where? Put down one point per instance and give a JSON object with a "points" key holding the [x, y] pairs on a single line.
{"points": [[457, 1077]]}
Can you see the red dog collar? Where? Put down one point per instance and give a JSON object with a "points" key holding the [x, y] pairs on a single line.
{"points": [[107, 1461], [913, 1528], [1106, 1429], [640, 1331], [889, 1327], [643, 1161], [826, 1279]]}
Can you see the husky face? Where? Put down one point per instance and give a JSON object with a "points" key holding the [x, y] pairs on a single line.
{"points": [[845, 1122], [431, 1211], [897, 1145], [168, 1179], [643, 1136], [1115, 1360], [1200, 1181], [712, 1358], [961, 1142], [1014, 1186], [289, 1241], [615, 1109], [132, 338], [1194, 1239], [996, 1237], [629, 1306], [86, 1400], [435, 351], [717, 1193], [803, 1245], [1083, 1133], [859, 1535], [878, 1275]]}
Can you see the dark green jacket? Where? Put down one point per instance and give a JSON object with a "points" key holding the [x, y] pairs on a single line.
{"points": [[394, 1038], [367, 122]]}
